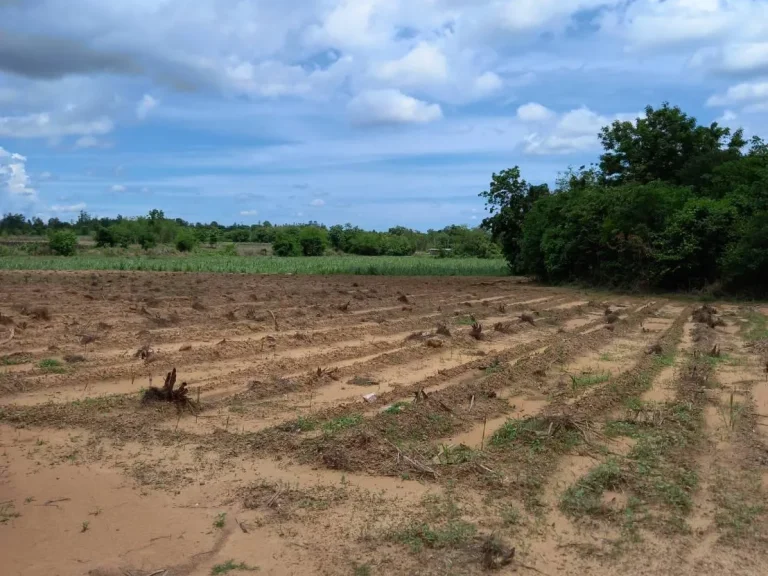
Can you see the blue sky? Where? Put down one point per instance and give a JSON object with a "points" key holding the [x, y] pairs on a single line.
{"points": [[375, 112]]}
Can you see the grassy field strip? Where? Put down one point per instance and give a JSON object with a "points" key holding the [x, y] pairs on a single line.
{"points": [[325, 265], [637, 486], [731, 504]]}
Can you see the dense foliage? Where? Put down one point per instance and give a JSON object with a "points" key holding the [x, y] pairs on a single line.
{"points": [[671, 205], [311, 239]]}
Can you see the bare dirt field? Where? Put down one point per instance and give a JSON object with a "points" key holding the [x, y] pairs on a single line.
{"points": [[375, 425]]}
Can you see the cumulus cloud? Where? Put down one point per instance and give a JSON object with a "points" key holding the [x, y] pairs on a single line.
{"points": [[60, 209], [391, 107], [425, 64], [738, 58], [744, 93], [145, 106], [118, 188], [573, 131], [317, 202], [14, 180], [534, 112]]}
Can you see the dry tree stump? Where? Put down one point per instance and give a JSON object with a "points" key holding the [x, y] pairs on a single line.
{"points": [[169, 393]]}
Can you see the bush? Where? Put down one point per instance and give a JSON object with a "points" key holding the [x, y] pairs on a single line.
{"points": [[313, 241], [229, 250], [147, 240], [63, 243], [104, 237], [286, 245], [185, 241]]}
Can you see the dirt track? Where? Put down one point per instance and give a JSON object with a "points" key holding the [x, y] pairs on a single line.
{"points": [[287, 468]]}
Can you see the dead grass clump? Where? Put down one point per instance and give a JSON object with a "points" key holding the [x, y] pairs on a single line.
{"points": [[403, 298], [199, 306], [654, 349], [434, 343], [39, 313], [525, 317], [6, 320], [168, 393], [416, 336], [496, 554], [443, 330], [611, 318], [707, 315], [145, 353], [504, 327], [477, 331], [74, 358], [502, 308], [364, 381]]}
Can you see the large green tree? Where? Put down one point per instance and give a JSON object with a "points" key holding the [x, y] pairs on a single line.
{"points": [[666, 144], [508, 199]]}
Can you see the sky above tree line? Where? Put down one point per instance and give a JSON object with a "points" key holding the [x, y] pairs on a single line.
{"points": [[376, 112]]}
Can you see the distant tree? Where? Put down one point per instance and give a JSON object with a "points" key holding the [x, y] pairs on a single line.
{"points": [[508, 199], [286, 244], [185, 241], [105, 237], [213, 237], [63, 242], [313, 241], [147, 240]]}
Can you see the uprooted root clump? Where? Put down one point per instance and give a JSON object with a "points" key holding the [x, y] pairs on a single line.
{"points": [[168, 393], [707, 315]]}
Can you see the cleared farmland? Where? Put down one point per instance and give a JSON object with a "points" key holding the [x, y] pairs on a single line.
{"points": [[375, 425]]}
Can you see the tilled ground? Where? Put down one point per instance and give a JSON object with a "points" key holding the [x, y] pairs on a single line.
{"points": [[373, 425]]}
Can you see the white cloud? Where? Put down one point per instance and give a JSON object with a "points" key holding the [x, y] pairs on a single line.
{"points": [[317, 202], [522, 15], [534, 112], [425, 64], [43, 125], [58, 209], [85, 142], [118, 188], [14, 180], [391, 107], [737, 58], [45, 176], [657, 23], [487, 83], [145, 106], [744, 93], [249, 212], [727, 117], [574, 131]]}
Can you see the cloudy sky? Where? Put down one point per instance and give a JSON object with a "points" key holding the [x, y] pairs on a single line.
{"points": [[376, 112]]}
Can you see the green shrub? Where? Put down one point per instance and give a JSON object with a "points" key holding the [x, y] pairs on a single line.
{"points": [[313, 241], [185, 241], [229, 250], [105, 237], [147, 240], [286, 244], [63, 243]]}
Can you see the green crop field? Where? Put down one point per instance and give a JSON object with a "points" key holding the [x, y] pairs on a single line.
{"points": [[382, 265]]}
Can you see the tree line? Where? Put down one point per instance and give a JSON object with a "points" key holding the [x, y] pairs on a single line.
{"points": [[671, 205], [309, 239]]}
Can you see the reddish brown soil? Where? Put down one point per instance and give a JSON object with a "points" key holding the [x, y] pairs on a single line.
{"points": [[286, 467]]}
